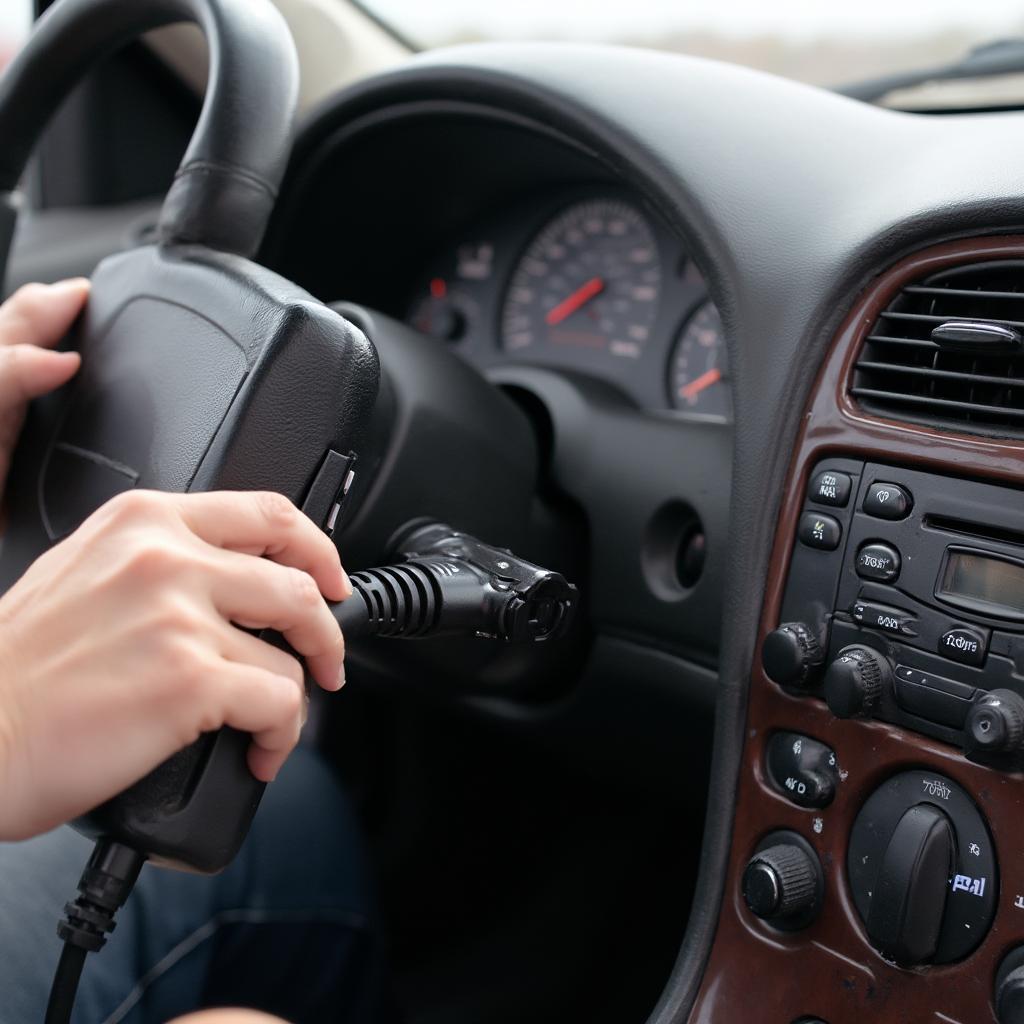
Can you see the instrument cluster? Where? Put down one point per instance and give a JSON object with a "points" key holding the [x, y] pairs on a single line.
{"points": [[588, 282]]}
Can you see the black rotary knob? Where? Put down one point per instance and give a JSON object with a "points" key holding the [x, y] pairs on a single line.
{"points": [[782, 884], [1009, 989], [855, 680], [995, 725], [791, 654]]}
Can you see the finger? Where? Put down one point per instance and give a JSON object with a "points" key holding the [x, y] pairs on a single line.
{"points": [[268, 706], [259, 594], [26, 372], [265, 523], [40, 314], [247, 649]]}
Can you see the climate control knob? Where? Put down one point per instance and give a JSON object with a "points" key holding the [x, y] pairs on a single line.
{"points": [[782, 882], [791, 654], [995, 726], [855, 681]]}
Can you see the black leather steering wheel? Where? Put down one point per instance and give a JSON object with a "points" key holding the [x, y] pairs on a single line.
{"points": [[200, 369]]}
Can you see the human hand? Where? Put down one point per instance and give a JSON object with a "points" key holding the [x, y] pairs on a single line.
{"points": [[32, 320], [125, 642]]}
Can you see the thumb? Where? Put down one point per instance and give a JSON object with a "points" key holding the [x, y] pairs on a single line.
{"points": [[26, 372]]}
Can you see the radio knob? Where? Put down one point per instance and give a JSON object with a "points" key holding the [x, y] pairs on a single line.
{"points": [[791, 654], [995, 725], [854, 681], [780, 885]]}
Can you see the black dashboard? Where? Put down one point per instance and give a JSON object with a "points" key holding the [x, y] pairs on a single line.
{"points": [[513, 193], [514, 247], [670, 266], [527, 256]]}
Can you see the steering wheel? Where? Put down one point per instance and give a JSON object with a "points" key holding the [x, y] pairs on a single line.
{"points": [[202, 370]]}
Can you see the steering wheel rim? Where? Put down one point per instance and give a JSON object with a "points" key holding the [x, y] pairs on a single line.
{"points": [[226, 184]]}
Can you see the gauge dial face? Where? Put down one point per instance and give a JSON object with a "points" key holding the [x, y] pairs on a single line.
{"points": [[590, 279], [698, 374], [445, 312], [445, 305]]}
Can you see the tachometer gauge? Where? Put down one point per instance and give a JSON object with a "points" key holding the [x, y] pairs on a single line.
{"points": [[446, 304], [698, 374], [444, 312], [589, 280]]}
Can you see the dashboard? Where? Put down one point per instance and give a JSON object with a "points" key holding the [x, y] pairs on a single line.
{"points": [[690, 271]]}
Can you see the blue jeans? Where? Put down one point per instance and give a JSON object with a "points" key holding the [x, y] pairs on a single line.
{"points": [[286, 928]]}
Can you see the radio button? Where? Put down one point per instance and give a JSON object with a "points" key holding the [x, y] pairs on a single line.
{"points": [[878, 561], [820, 531], [880, 616], [804, 770], [964, 645], [830, 488], [944, 701], [888, 501]]}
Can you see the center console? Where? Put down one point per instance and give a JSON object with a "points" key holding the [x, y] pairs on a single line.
{"points": [[876, 871]]}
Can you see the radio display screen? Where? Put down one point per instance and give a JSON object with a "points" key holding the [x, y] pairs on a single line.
{"points": [[973, 577]]}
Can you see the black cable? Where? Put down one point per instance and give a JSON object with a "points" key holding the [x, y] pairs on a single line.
{"points": [[65, 984], [105, 884]]}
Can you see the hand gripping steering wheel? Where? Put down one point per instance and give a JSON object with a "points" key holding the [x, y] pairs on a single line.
{"points": [[200, 369]]}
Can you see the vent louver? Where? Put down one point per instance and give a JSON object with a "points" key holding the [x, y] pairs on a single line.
{"points": [[975, 384]]}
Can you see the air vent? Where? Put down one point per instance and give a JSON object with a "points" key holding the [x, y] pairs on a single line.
{"points": [[972, 377]]}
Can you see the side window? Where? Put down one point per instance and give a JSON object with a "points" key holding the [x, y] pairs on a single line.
{"points": [[15, 19]]}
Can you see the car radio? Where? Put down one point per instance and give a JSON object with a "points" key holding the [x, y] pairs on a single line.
{"points": [[905, 602]]}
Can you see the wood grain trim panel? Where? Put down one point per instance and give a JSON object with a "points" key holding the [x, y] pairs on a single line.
{"points": [[829, 970]]}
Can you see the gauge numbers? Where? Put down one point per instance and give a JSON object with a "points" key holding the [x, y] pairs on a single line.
{"points": [[590, 280], [698, 374]]}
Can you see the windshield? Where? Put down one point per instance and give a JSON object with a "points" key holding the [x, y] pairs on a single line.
{"points": [[15, 19], [816, 41]]}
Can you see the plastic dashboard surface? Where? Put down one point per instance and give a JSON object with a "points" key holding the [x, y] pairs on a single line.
{"points": [[448, 258], [791, 199]]}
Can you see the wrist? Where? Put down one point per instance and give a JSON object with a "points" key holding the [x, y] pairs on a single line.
{"points": [[10, 731]]}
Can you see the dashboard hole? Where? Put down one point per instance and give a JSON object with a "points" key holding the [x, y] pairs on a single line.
{"points": [[674, 551]]}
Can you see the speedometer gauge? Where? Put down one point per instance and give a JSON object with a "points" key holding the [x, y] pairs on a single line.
{"points": [[590, 279], [698, 375]]}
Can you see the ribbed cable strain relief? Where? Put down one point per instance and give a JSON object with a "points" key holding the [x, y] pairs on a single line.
{"points": [[105, 884], [400, 601]]}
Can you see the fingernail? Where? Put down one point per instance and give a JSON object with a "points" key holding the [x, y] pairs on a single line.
{"points": [[341, 678], [346, 582]]}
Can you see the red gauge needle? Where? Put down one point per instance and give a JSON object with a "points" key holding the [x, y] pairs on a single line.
{"points": [[705, 380], [568, 306]]}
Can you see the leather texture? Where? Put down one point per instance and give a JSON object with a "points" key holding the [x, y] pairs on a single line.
{"points": [[226, 185], [791, 199]]}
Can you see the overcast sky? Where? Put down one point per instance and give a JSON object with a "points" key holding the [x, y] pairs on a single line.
{"points": [[798, 20], [793, 19]]}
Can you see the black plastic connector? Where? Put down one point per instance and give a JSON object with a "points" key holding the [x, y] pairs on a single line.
{"points": [[106, 883], [449, 583]]}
